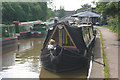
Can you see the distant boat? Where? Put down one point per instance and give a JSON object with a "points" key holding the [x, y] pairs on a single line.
{"points": [[67, 47], [22, 29], [39, 30], [8, 39], [26, 29]]}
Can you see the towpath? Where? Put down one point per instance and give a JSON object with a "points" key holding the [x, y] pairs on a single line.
{"points": [[110, 44]]}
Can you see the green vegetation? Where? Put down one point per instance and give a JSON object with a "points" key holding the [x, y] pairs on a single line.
{"points": [[106, 69], [112, 29], [85, 6], [24, 11], [109, 15], [61, 12]]}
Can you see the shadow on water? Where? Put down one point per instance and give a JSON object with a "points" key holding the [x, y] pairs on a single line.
{"points": [[79, 73]]}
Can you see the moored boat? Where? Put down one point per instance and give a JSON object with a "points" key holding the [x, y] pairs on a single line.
{"points": [[38, 30], [67, 47], [22, 29], [8, 39]]}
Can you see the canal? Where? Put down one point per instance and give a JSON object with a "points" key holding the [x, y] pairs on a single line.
{"points": [[25, 62]]}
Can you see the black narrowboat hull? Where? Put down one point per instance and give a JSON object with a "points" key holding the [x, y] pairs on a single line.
{"points": [[64, 61], [9, 45], [75, 51]]}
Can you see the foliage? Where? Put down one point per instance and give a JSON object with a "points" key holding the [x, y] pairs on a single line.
{"points": [[85, 6], [24, 11], [61, 12], [109, 14]]}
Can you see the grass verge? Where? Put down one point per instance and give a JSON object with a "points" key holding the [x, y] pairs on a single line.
{"points": [[115, 30], [106, 69]]}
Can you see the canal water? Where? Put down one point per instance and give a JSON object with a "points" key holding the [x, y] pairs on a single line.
{"points": [[25, 62]]}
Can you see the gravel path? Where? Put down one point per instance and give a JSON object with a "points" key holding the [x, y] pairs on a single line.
{"points": [[110, 43]]}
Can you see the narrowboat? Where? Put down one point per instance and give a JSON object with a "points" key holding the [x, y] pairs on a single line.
{"points": [[22, 29], [8, 39], [38, 30], [67, 47]]}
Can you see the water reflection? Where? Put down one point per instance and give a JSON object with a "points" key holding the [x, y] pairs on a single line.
{"points": [[24, 44], [8, 59], [30, 55], [25, 63]]}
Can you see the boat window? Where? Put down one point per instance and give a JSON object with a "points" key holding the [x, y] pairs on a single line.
{"points": [[36, 25], [5, 32], [27, 27], [11, 31], [39, 27], [21, 28]]}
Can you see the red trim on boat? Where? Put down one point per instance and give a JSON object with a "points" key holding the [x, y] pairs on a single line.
{"points": [[8, 38], [39, 35], [7, 25], [18, 36], [33, 35]]}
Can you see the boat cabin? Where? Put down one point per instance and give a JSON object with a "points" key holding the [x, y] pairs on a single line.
{"points": [[72, 37], [62, 37]]}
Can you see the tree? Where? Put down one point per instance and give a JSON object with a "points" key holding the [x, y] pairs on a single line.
{"points": [[24, 11], [85, 6], [27, 10], [7, 12], [19, 13], [107, 8], [61, 12], [110, 13], [44, 12]]}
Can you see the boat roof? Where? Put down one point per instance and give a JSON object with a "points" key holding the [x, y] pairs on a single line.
{"points": [[86, 14], [84, 25]]}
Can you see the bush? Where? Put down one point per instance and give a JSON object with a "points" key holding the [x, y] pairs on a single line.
{"points": [[113, 25]]}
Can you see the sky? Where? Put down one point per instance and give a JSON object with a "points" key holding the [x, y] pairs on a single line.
{"points": [[70, 5]]}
